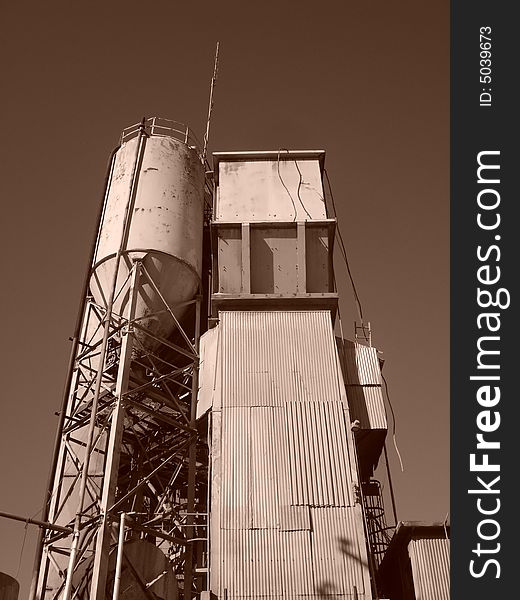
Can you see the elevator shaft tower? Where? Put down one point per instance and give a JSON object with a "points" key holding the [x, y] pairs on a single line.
{"points": [[287, 515]]}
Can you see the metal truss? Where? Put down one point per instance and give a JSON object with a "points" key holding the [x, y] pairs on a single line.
{"points": [[131, 464]]}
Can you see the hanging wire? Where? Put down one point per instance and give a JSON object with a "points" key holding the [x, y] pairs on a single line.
{"points": [[394, 437], [299, 183], [286, 188], [447, 537], [210, 105], [343, 250], [299, 186], [21, 550], [444, 524]]}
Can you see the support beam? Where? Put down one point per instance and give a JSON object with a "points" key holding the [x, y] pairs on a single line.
{"points": [[101, 558], [192, 469], [246, 258]]}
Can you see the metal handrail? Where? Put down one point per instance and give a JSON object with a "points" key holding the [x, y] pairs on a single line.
{"points": [[160, 126], [164, 127]]}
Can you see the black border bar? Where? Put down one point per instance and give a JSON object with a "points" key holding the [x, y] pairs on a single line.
{"points": [[485, 333]]}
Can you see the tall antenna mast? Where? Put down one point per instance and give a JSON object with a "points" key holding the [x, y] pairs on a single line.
{"points": [[210, 106]]}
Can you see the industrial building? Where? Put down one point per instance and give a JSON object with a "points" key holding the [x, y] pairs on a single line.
{"points": [[218, 438]]}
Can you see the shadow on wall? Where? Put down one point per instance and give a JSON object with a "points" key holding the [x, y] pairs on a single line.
{"points": [[326, 588]]}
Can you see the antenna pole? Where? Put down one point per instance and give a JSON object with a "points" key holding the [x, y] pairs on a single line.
{"points": [[210, 106]]}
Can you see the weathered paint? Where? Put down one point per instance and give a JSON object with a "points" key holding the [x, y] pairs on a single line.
{"points": [[165, 230], [270, 187]]}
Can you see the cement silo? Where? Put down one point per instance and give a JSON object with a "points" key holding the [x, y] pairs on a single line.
{"points": [[122, 494], [153, 214]]}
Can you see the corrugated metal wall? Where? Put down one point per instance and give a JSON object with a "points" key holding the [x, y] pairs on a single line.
{"points": [[362, 373], [430, 559], [284, 522]]}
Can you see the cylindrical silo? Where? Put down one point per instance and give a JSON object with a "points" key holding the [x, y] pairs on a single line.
{"points": [[154, 213]]}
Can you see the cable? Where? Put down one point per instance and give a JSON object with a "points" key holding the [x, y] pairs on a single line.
{"points": [[21, 551], [343, 250], [286, 188], [444, 525], [299, 186], [394, 425], [447, 539]]}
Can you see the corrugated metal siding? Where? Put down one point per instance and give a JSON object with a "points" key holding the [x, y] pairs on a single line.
{"points": [[362, 373], [268, 466], [295, 518], [285, 450], [296, 350], [360, 363], [327, 561], [297, 575], [367, 405], [339, 560], [236, 469], [318, 454], [430, 560], [251, 563]]}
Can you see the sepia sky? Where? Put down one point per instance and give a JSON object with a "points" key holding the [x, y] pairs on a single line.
{"points": [[366, 81]]}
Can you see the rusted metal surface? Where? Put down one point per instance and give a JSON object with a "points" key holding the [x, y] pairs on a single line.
{"points": [[285, 521], [165, 181], [269, 186], [430, 560]]}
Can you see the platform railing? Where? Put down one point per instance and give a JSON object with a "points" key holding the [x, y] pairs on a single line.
{"points": [[160, 126]]}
